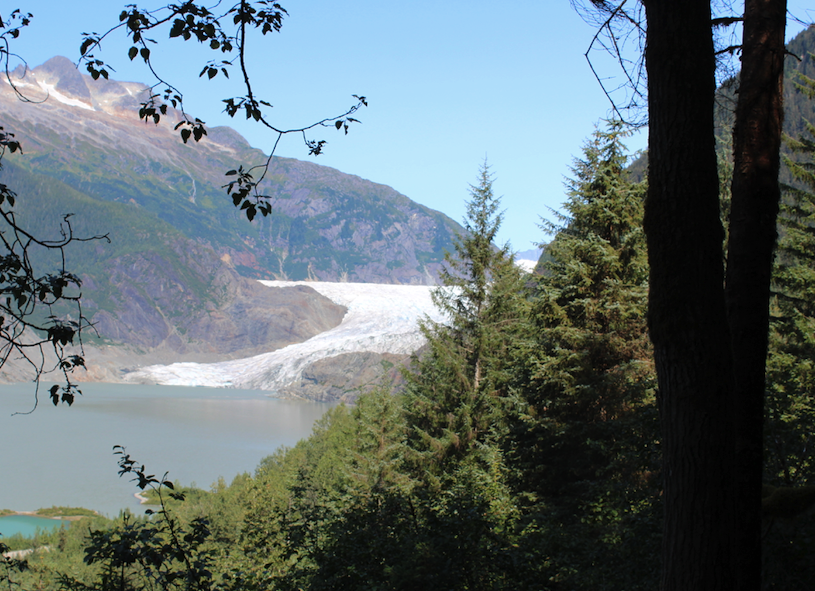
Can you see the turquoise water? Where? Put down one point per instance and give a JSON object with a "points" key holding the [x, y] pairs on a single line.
{"points": [[63, 455], [26, 524]]}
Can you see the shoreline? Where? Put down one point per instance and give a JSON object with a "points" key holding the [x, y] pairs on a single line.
{"points": [[54, 517]]}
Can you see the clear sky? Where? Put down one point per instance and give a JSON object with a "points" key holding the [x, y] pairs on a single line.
{"points": [[449, 83]]}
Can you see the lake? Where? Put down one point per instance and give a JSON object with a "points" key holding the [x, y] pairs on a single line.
{"points": [[27, 525], [64, 455]]}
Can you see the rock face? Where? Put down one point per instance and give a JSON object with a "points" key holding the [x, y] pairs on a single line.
{"points": [[344, 377], [233, 317]]}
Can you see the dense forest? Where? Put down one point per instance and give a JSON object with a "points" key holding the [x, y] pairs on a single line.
{"points": [[522, 453]]}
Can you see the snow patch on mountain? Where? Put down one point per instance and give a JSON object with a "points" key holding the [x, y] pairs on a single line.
{"points": [[56, 95], [380, 319]]}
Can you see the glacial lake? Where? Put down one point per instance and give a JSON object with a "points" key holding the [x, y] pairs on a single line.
{"points": [[64, 455]]}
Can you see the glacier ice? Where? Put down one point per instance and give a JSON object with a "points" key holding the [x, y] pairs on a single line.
{"points": [[380, 319]]}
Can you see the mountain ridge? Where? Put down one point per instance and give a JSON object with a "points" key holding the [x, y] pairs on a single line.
{"points": [[325, 224]]}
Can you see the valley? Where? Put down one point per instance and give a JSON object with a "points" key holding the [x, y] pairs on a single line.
{"points": [[177, 283]]}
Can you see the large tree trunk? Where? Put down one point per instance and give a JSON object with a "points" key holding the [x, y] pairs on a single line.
{"points": [[754, 208], [687, 315]]}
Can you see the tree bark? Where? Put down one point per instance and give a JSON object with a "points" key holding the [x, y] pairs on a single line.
{"points": [[687, 314], [754, 209]]}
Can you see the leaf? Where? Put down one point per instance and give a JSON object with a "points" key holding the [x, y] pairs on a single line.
{"points": [[54, 396], [145, 53], [85, 45], [185, 134], [178, 28], [133, 52], [338, 124]]}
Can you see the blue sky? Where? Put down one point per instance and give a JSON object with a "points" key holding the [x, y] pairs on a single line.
{"points": [[449, 82]]}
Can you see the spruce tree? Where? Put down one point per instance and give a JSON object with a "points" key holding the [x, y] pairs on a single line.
{"points": [[454, 396], [583, 438], [791, 359], [454, 387]]}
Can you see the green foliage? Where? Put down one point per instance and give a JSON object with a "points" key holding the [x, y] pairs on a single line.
{"points": [[66, 512], [454, 388], [790, 395], [159, 553], [583, 436], [791, 361]]}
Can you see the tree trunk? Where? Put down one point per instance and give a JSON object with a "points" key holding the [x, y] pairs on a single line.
{"points": [[687, 314], [754, 209]]}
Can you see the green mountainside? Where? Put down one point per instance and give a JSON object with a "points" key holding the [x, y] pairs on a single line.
{"points": [[797, 106]]}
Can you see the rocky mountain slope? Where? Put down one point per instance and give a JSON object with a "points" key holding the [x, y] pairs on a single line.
{"points": [[174, 283], [325, 225]]}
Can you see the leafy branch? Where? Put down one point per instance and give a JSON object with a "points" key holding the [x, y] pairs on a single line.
{"points": [[32, 304], [225, 32], [158, 550]]}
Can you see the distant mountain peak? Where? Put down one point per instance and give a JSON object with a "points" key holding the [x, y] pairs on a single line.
{"points": [[59, 80], [59, 77]]}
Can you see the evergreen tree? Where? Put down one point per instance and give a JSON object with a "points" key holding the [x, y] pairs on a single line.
{"points": [[454, 388], [583, 439], [790, 381], [791, 360], [454, 398]]}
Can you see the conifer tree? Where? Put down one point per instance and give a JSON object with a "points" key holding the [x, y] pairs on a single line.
{"points": [[791, 360], [789, 461], [583, 440], [464, 512], [453, 387]]}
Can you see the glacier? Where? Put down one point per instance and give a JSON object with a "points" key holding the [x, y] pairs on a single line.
{"points": [[381, 318]]}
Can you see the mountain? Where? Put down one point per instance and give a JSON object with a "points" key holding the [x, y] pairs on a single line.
{"points": [[325, 225], [176, 283]]}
